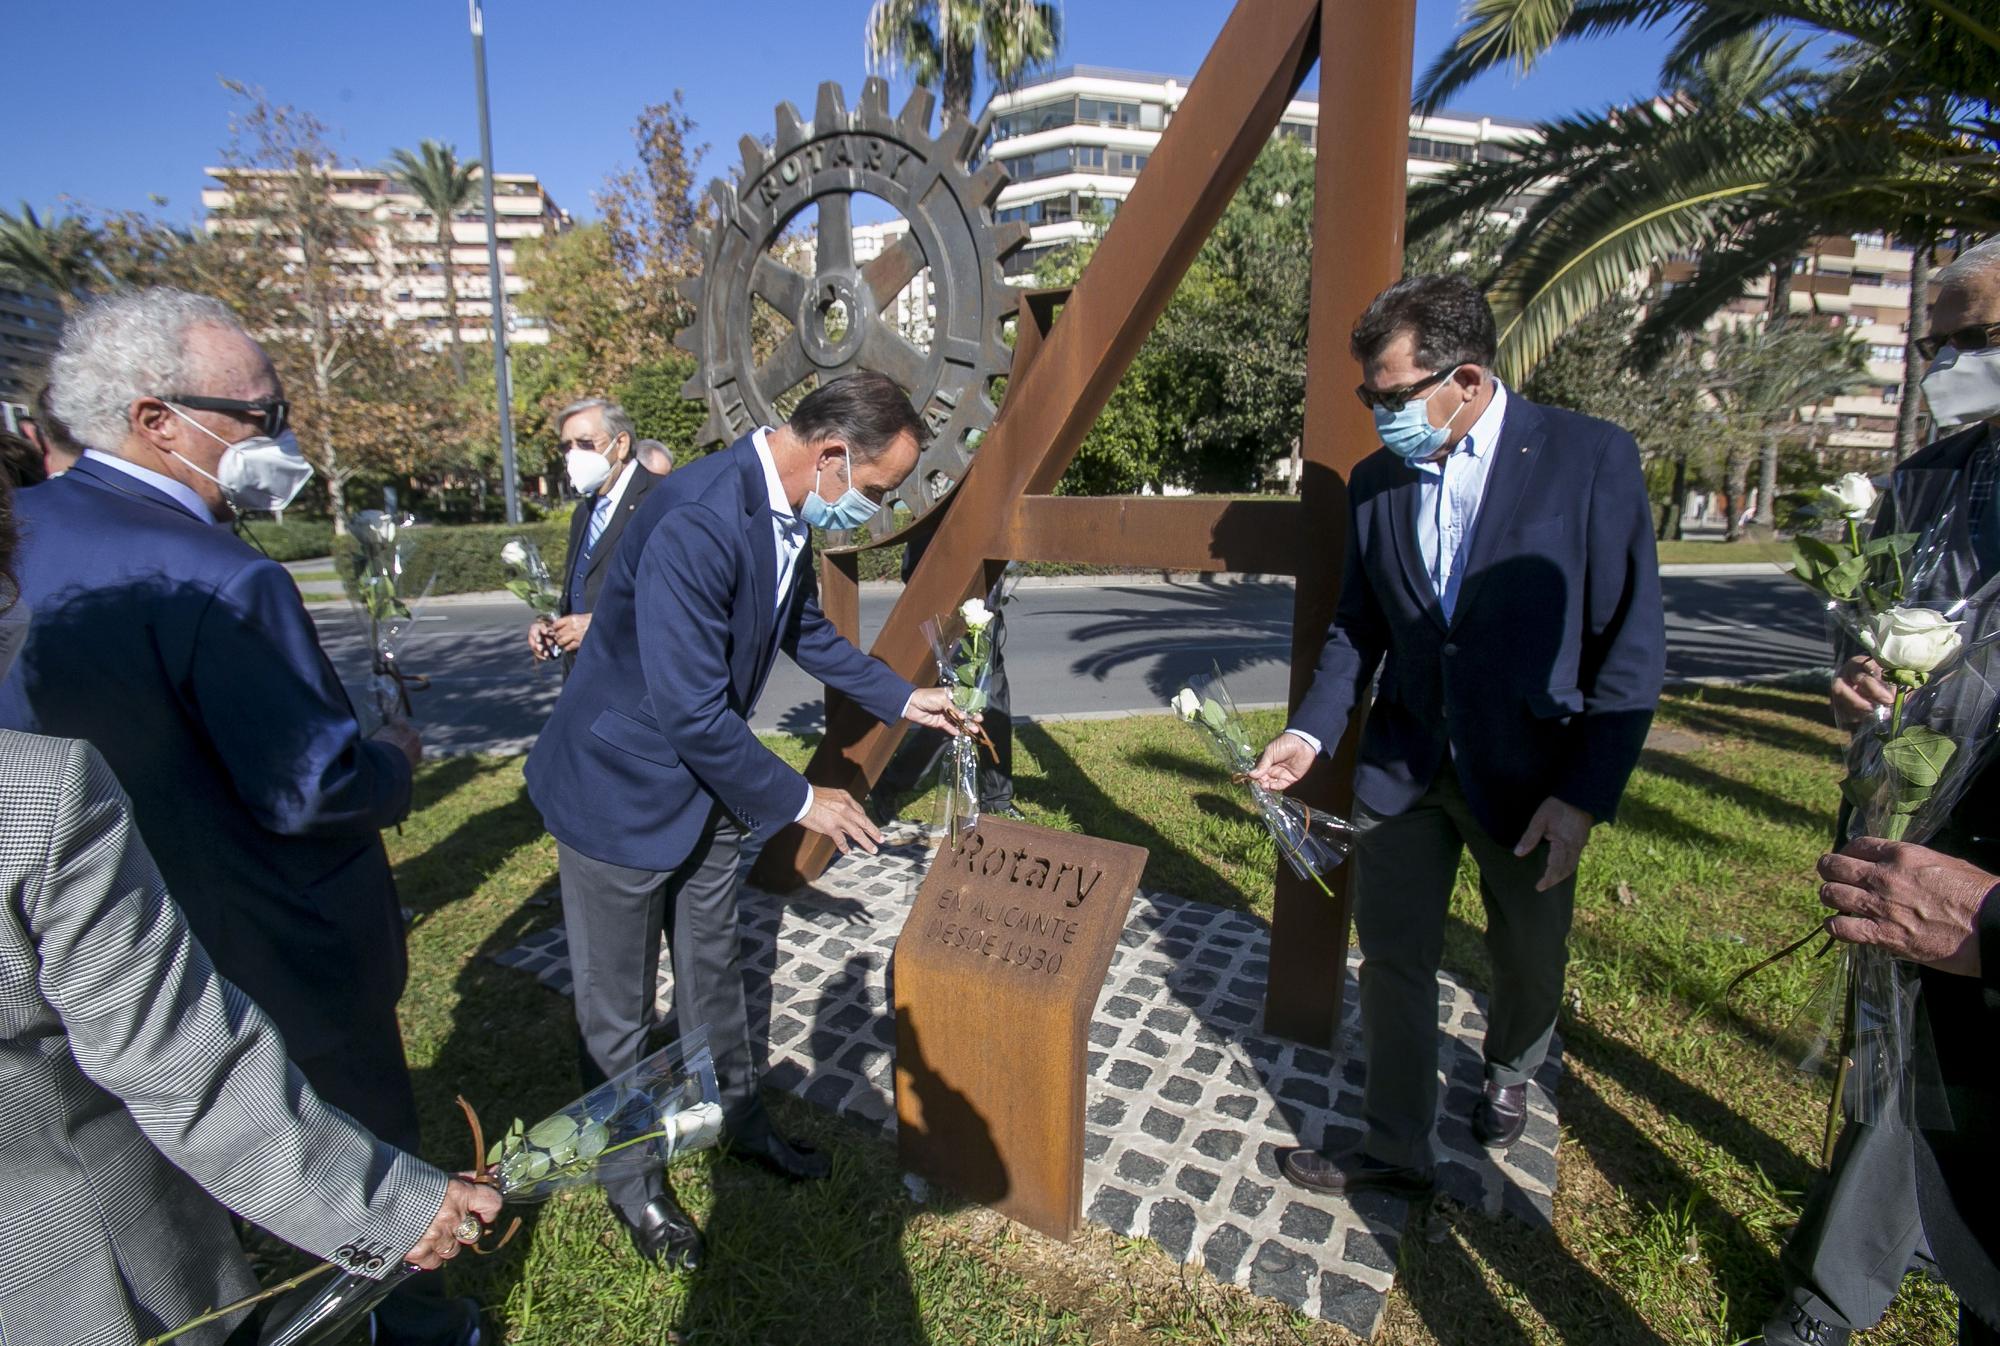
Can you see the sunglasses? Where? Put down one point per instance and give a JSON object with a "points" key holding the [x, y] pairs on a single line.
{"points": [[1977, 337], [275, 412], [581, 442], [1395, 399]]}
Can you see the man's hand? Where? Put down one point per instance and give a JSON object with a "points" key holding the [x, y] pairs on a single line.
{"points": [[1911, 901], [567, 632], [1857, 690], [931, 707], [541, 638], [441, 1243], [1566, 828], [403, 737], [835, 814], [1284, 760]]}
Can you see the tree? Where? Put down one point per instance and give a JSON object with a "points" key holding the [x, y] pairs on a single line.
{"points": [[1744, 161], [54, 255], [651, 395], [436, 176], [939, 42], [651, 218]]}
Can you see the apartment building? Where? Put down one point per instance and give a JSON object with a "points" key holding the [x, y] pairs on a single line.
{"points": [[402, 261], [30, 326]]}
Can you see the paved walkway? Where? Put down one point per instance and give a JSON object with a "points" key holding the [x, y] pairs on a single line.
{"points": [[1189, 1105]]}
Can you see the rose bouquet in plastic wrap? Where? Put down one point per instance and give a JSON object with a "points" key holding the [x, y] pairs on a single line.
{"points": [[531, 582], [1312, 841], [1889, 596], [665, 1106], [965, 665], [379, 586]]}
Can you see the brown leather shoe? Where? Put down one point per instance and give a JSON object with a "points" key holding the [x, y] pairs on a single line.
{"points": [[1501, 1115], [1346, 1174]]}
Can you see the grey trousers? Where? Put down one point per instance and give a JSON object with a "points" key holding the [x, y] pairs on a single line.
{"points": [[1404, 868], [1859, 1230], [614, 917]]}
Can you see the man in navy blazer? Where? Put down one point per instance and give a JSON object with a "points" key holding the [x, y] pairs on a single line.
{"points": [[189, 662], [649, 776], [1501, 577]]}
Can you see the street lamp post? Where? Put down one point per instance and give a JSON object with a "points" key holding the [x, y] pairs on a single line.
{"points": [[502, 390]]}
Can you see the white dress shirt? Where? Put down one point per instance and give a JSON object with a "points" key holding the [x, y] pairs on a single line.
{"points": [[181, 493], [1449, 493]]}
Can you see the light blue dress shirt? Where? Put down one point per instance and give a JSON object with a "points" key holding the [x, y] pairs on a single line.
{"points": [[1448, 498]]}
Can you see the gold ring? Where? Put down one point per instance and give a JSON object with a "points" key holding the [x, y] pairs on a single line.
{"points": [[467, 1230]]}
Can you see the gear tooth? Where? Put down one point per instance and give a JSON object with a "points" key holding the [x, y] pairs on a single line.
{"points": [[685, 339], [986, 406], [1008, 238], [875, 101], [724, 193], [711, 431], [831, 113], [791, 128], [689, 288], [957, 137], [915, 118], [987, 184], [754, 159]]}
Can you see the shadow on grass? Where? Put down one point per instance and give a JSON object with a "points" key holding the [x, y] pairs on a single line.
{"points": [[1746, 797], [457, 865], [1812, 709], [1704, 717]]}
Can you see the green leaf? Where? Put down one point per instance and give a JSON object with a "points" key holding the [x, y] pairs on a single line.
{"points": [[972, 701], [591, 1141], [553, 1131], [1213, 716], [1858, 790], [1899, 544], [1919, 755], [1821, 556]]}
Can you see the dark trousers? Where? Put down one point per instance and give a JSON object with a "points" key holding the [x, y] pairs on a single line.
{"points": [[917, 755], [1859, 1230], [615, 917], [369, 1080], [1404, 869]]}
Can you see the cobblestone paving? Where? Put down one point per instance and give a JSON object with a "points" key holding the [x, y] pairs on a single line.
{"points": [[1189, 1107]]}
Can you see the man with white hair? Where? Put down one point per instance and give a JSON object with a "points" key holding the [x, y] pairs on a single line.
{"points": [[189, 661], [1893, 1192]]}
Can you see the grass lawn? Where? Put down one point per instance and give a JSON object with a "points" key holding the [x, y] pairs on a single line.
{"points": [[1687, 1139], [1724, 553]]}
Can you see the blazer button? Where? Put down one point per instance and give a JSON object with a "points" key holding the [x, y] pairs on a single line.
{"points": [[1450, 647]]}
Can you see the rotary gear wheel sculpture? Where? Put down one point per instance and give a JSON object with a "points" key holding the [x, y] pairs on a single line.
{"points": [[836, 313]]}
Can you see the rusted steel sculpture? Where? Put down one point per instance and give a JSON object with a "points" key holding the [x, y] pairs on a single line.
{"points": [[1066, 366]]}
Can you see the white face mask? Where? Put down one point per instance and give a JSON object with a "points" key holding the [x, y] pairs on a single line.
{"points": [[1963, 386], [588, 470], [258, 473], [13, 634]]}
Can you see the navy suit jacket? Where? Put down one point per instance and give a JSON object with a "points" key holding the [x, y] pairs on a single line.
{"points": [[652, 730], [1544, 681], [189, 662], [597, 565]]}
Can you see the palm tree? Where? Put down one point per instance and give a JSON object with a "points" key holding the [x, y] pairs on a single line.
{"points": [[1741, 166], [446, 185], [937, 42], [51, 255]]}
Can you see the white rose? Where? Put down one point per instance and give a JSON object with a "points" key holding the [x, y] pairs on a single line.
{"points": [[1851, 497], [976, 613], [1186, 704], [1913, 640], [515, 553]]}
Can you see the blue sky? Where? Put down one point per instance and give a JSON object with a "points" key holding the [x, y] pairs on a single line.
{"points": [[111, 102]]}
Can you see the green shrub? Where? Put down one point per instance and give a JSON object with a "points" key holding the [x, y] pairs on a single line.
{"points": [[292, 540], [465, 558]]}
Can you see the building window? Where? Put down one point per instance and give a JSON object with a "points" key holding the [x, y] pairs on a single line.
{"points": [[1449, 151], [1886, 354], [1298, 131], [1894, 392], [1867, 278], [1027, 120], [1130, 163], [1106, 113], [1090, 156]]}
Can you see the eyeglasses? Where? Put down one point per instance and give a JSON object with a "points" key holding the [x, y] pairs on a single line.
{"points": [[584, 442], [275, 412], [1977, 337], [1395, 399]]}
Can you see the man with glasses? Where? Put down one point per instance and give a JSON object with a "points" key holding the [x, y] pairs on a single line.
{"points": [[604, 467], [1865, 1223], [189, 661], [1501, 577]]}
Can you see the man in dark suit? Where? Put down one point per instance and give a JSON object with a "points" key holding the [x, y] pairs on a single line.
{"points": [[189, 661], [1501, 575], [603, 463], [1871, 1216], [649, 776]]}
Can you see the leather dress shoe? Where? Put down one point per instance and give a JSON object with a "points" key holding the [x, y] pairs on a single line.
{"points": [[663, 1232], [1353, 1172], [1794, 1325], [1501, 1115], [772, 1152]]}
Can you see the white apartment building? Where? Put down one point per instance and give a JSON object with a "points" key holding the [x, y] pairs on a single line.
{"points": [[1074, 141], [402, 261]]}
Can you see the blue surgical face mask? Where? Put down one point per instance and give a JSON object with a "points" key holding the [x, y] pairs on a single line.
{"points": [[852, 510], [1409, 433]]}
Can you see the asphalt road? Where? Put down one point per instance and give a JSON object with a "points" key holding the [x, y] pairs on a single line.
{"points": [[1070, 650]]}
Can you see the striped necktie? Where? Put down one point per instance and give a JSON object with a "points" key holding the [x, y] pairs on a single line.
{"points": [[600, 519]]}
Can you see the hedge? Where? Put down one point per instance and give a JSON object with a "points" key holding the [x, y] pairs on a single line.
{"points": [[465, 558], [292, 540]]}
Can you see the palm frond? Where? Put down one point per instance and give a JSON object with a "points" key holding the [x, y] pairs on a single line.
{"points": [[1517, 33], [1722, 274]]}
